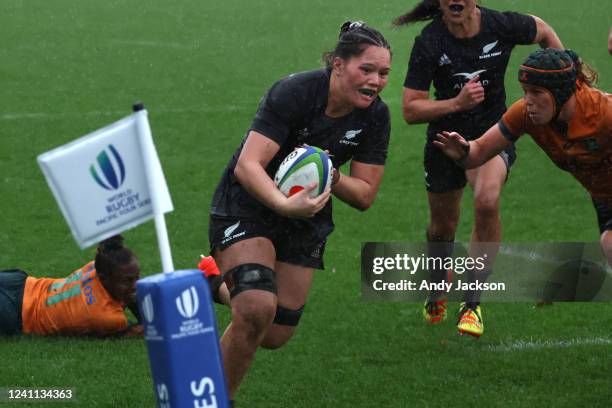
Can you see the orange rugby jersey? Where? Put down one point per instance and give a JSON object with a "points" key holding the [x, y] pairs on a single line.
{"points": [[76, 305], [585, 151]]}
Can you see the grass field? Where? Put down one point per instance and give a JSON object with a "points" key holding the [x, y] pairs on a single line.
{"points": [[69, 67]]}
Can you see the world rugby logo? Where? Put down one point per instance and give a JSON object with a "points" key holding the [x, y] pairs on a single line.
{"points": [[187, 303], [147, 308], [108, 170]]}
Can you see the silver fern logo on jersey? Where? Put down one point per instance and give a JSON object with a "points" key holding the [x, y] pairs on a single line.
{"points": [[486, 51], [349, 135], [231, 229], [188, 303]]}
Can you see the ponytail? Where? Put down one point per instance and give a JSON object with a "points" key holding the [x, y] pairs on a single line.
{"points": [[425, 10], [584, 72]]}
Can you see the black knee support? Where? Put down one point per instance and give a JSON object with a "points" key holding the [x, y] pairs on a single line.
{"points": [[252, 277], [288, 317], [214, 283]]}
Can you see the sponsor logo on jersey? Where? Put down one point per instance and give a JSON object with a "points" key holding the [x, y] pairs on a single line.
{"points": [[470, 75], [486, 51], [444, 60]]}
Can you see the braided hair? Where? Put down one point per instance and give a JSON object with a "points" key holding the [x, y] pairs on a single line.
{"points": [[354, 38], [111, 255]]}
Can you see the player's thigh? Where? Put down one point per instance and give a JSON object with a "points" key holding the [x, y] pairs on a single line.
{"points": [[293, 284], [487, 180], [256, 250]]}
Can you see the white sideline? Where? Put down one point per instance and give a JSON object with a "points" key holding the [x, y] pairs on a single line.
{"points": [[521, 345]]}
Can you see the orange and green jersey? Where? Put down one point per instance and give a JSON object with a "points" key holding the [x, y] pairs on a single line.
{"points": [[76, 305], [584, 149]]}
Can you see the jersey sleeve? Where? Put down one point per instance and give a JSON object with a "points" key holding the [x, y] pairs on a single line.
{"points": [[513, 122], [375, 148], [277, 111], [420, 67], [514, 27]]}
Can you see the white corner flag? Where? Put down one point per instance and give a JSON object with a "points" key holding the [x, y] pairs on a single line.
{"points": [[109, 181]]}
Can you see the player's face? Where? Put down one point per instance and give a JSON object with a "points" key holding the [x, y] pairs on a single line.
{"points": [[456, 11], [364, 76], [124, 282], [540, 104]]}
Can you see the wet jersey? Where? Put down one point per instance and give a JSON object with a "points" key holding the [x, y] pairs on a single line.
{"points": [[292, 113], [76, 305], [450, 62], [583, 149]]}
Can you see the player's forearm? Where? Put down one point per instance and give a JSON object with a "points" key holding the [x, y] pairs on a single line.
{"points": [[546, 37], [354, 191], [478, 155], [256, 181], [427, 110]]}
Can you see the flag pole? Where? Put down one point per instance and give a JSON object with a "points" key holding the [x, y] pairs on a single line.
{"points": [[148, 150]]}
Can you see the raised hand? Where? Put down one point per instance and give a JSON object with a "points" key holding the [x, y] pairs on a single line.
{"points": [[452, 144]]}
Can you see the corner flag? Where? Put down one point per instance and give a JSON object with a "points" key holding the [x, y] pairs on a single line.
{"points": [[109, 181]]}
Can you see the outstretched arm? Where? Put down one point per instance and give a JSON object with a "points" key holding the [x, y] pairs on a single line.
{"points": [[546, 36], [610, 41], [472, 154]]}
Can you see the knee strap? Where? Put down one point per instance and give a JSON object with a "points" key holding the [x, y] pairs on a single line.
{"points": [[288, 317], [252, 277], [214, 283]]}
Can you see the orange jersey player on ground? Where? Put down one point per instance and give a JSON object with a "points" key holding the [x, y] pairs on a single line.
{"points": [[568, 118], [90, 301]]}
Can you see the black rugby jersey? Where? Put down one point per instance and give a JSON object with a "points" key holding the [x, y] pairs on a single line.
{"points": [[292, 113], [449, 62]]}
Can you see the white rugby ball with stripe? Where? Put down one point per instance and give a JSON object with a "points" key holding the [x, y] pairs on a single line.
{"points": [[302, 167]]}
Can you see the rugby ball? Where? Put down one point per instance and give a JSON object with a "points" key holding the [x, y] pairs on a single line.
{"points": [[301, 167]]}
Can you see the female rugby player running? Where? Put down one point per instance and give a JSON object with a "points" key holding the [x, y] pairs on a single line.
{"points": [[267, 245], [464, 52]]}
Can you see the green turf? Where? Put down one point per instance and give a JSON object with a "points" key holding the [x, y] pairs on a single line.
{"points": [[70, 67]]}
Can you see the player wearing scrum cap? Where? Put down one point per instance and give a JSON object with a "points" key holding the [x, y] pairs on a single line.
{"points": [[566, 116]]}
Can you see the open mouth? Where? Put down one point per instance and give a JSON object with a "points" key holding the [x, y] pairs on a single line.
{"points": [[367, 92], [456, 8]]}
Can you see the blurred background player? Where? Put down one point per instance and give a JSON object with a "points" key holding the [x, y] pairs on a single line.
{"points": [[568, 118], [267, 245], [90, 301], [464, 52], [610, 41]]}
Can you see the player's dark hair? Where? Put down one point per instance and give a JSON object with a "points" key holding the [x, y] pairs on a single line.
{"points": [[425, 10], [584, 72], [354, 38], [111, 255]]}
